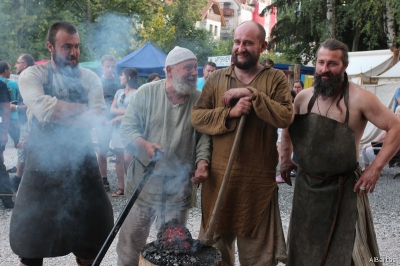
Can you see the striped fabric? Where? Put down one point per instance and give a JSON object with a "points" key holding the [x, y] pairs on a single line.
{"points": [[365, 250]]}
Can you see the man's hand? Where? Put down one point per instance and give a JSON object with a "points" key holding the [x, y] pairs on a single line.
{"points": [[151, 148], [367, 181], [286, 167], [201, 173], [242, 107], [21, 144], [234, 94]]}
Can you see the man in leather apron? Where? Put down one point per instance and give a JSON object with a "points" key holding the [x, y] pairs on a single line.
{"points": [[331, 221], [61, 206]]}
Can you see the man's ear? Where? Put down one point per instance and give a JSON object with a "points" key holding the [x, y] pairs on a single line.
{"points": [[263, 46], [169, 71], [49, 47]]}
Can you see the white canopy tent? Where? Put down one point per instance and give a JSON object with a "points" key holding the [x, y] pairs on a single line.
{"points": [[364, 65], [390, 76], [385, 93]]}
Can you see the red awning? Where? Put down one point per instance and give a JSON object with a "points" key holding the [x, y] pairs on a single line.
{"points": [[43, 61]]}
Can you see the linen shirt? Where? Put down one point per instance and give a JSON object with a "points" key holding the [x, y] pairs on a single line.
{"points": [[252, 179], [153, 117], [42, 106]]}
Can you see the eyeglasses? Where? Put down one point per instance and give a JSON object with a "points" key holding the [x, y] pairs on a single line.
{"points": [[19, 62], [122, 98]]}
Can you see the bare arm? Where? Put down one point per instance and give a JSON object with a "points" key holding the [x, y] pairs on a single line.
{"points": [[114, 110], [374, 111]]}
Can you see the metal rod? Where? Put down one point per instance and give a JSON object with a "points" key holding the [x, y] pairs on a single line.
{"points": [[7, 195], [114, 231]]}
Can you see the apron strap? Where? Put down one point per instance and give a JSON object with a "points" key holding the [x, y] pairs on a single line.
{"points": [[346, 98], [311, 103]]}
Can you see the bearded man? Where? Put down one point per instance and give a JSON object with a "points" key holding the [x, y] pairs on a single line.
{"points": [[249, 211], [61, 206], [331, 221], [158, 118]]}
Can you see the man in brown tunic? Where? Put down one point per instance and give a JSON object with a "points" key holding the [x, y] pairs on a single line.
{"points": [[249, 211], [331, 221]]}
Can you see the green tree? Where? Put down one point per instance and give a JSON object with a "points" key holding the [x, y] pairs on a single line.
{"points": [[303, 25], [105, 26]]}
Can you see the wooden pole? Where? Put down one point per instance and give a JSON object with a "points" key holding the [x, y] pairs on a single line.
{"points": [[290, 77], [296, 72], [208, 238]]}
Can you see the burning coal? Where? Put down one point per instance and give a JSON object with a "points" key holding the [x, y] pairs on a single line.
{"points": [[176, 237], [176, 247]]}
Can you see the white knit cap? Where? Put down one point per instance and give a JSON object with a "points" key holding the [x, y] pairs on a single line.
{"points": [[178, 55]]}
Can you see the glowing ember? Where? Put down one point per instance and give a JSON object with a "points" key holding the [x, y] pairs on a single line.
{"points": [[173, 236]]}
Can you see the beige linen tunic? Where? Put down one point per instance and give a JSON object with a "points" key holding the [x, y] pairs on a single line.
{"points": [[152, 116], [252, 180]]}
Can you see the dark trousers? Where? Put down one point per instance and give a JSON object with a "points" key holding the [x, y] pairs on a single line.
{"points": [[5, 185]]}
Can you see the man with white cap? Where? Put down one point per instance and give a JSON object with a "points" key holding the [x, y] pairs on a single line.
{"points": [[158, 118]]}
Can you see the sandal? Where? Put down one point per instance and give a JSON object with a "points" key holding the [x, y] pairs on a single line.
{"points": [[120, 192]]}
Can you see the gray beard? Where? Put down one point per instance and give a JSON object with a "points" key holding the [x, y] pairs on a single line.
{"points": [[183, 88]]}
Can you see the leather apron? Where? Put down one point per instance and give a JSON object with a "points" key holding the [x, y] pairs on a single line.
{"points": [[323, 218], [61, 206]]}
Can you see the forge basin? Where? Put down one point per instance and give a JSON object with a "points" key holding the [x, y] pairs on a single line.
{"points": [[203, 256]]}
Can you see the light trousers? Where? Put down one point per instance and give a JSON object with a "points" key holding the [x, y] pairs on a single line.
{"points": [[136, 228]]}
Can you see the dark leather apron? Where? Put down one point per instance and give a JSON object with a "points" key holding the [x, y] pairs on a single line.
{"points": [[323, 218], [61, 206]]}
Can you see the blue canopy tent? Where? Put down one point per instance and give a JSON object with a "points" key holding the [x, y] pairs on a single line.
{"points": [[146, 60]]}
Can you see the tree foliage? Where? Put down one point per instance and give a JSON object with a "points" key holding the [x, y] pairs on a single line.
{"points": [[105, 26], [361, 24]]}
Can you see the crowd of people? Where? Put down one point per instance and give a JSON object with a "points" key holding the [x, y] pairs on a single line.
{"points": [[68, 120]]}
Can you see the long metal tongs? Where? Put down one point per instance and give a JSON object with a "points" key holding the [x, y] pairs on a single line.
{"points": [[114, 231]]}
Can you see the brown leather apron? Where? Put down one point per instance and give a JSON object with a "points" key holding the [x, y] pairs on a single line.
{"points": [[61, 206], [323, 218]]}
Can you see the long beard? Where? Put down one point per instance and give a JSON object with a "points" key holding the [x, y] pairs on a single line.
{"points": [[182, 87], [326, 87], [250, 62]]}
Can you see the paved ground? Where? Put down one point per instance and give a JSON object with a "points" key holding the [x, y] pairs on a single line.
{"points": [[385, 203]]}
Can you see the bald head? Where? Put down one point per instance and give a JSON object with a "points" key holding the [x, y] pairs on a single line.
{"points": [[259, 29]]}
